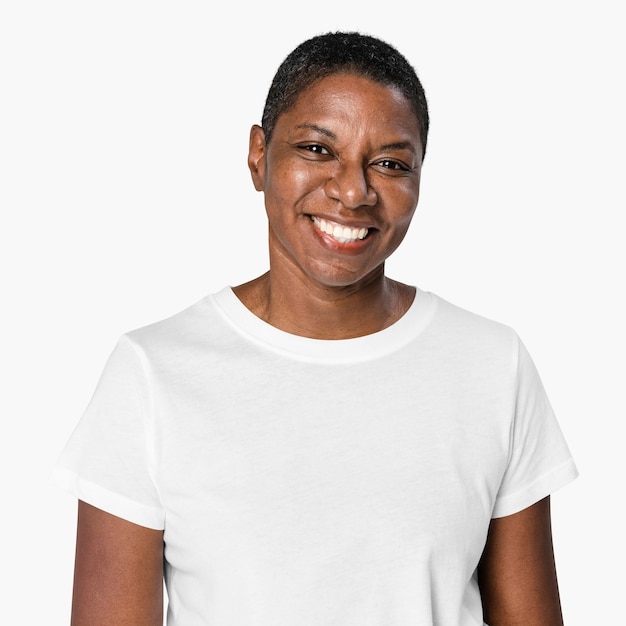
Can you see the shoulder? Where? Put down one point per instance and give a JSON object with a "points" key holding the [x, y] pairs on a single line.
{"points": [[467, 330], [188, 329]]}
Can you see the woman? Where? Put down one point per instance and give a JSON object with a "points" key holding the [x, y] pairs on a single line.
{"points": [[321, 445]]}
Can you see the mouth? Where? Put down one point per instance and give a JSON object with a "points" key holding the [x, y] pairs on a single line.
{"points": [[339, 232]]}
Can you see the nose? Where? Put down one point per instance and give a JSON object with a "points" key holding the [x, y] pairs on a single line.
{"points": [[350, 186]]}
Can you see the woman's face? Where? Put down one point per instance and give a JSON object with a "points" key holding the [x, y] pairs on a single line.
{"points": [[341, 179]]}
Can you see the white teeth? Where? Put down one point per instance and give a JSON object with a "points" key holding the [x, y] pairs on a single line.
{"points": [[343, 234]]}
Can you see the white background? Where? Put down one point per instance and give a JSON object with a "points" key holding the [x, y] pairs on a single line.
{"points": [[125, 197]]}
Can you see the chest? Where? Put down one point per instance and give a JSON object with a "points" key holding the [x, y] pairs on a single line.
{"points": [[281, 465]]}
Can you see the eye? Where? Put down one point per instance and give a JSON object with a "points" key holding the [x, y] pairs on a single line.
{"points": [[315, 148], [389, 164]]}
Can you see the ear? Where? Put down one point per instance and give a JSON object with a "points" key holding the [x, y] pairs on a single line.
{"points": [[256, 157]]}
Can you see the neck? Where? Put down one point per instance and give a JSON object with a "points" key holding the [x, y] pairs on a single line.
{"points": [[321, 312]]}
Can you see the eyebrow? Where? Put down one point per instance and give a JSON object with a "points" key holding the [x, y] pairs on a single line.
{"points": [[319, 129], [398, 145]]}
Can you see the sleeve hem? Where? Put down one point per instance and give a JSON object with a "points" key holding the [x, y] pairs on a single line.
{"points": [[108, 501], [540, 488]]}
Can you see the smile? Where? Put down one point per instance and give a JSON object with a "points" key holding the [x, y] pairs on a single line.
{"points": [[342, 234]]}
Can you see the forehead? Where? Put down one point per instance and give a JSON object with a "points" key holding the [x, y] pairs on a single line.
{"points": [[347, 97]]}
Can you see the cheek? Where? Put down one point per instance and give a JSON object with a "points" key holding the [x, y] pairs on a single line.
{"points": [[404, 201], [289, 190], [300, 179], [402, 226]]}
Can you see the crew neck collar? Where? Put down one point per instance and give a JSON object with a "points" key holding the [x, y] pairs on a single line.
{"points": [[364, 348]]}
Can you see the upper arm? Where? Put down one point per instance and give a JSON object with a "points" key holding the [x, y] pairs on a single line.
{"points": [[118, 574], [517, 574]]}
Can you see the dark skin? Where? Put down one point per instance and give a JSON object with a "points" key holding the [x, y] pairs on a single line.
{"points": [[348, 155], [349, 152], [517, 574], [118, 574]]}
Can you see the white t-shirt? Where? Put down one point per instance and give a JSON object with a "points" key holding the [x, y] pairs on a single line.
{"points": [[316, 482]]}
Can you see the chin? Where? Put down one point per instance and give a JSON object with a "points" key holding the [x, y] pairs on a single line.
{"points": [[342, 279]]}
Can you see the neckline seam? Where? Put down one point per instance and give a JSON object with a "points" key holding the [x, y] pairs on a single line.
{"points": [[352, 350]]}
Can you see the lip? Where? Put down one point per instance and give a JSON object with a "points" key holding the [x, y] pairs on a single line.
{"points": [[352, 247], [342, 222]]}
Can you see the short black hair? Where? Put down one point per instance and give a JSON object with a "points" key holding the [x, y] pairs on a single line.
{"points": [[339, 52]]}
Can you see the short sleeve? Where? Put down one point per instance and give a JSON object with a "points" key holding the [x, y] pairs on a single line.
{"points": [[539, 459], [108, 460]]}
